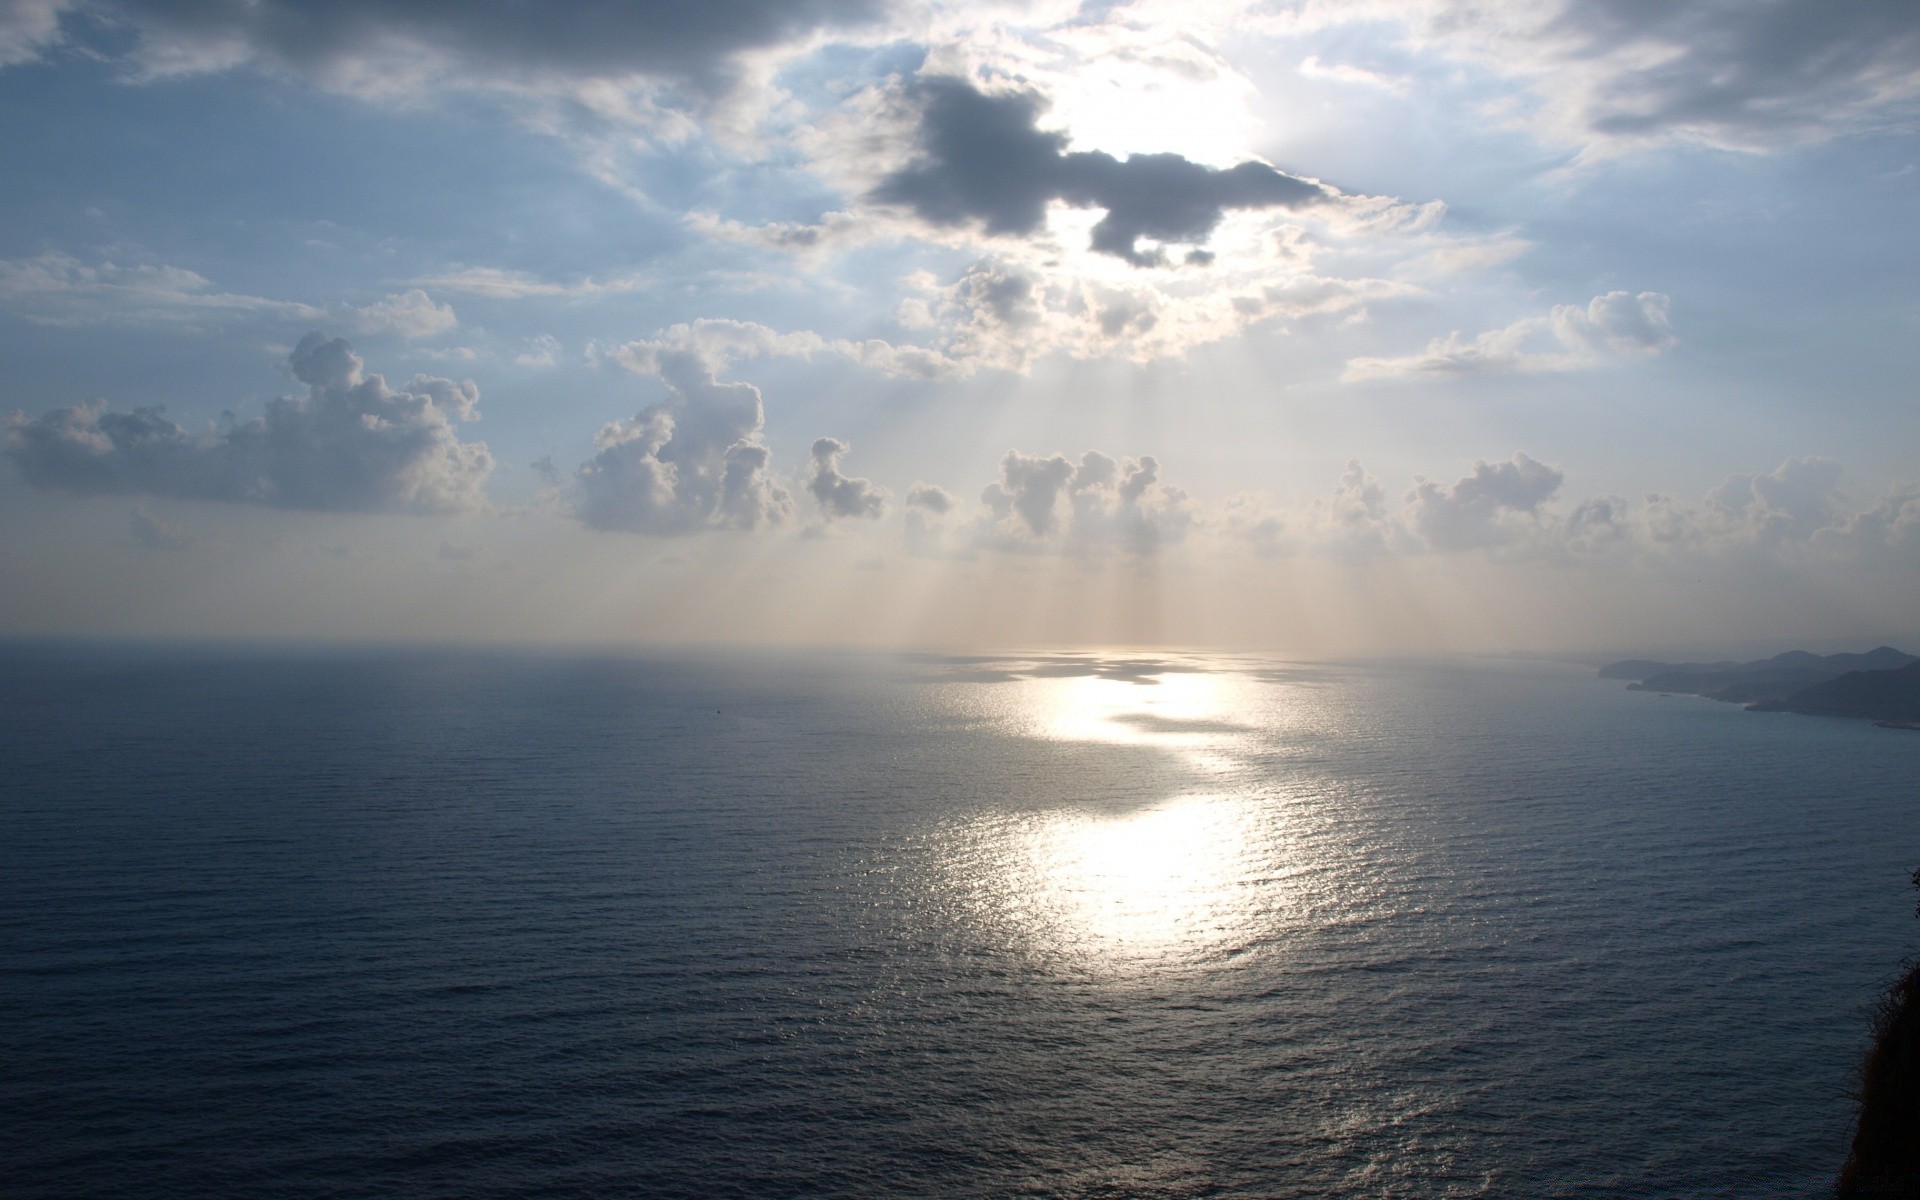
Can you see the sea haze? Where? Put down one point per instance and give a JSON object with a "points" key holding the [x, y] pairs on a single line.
{"points": [[284, 923]]}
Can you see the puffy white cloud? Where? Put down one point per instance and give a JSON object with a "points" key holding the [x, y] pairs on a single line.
{"points": [[930, 510], [351, 444], [1514, 510], [1097, 504], [1599, 524], [1029, 489], [1354, 517], [1609, 327], [932, 498], [1617, 323], [695, 463], [1794, 512], [411, 314], [61, 290], [1498, 505], [1790, 502], [840, 495], [1890, 524], [1477, 510]]}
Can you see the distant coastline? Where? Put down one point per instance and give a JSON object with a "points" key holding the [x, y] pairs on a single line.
{"points": [[1882, 685]]}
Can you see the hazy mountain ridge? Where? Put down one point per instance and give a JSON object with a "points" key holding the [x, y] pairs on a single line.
{"points": [[1890, 697], [1882, 684]]}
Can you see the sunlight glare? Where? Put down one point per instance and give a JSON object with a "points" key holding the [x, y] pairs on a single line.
{"points": [[1174, 881]]}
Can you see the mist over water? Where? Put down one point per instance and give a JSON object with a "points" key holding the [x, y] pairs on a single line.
{"points": [[355, 924]]}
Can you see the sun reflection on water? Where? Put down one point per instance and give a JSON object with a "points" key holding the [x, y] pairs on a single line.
{"points": [[1180, 880], [1171, 882]]}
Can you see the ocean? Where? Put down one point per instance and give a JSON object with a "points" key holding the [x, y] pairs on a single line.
{"points": [[285, 922]]}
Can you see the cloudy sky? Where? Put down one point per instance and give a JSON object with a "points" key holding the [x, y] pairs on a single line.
{"points": [[1326, 328]]}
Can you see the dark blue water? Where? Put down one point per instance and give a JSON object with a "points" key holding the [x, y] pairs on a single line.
{"points": [[302, 924]]}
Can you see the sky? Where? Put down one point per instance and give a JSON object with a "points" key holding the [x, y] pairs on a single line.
{"points": [[1376, 327]]}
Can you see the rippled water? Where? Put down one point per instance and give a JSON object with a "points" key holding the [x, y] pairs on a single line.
{"points": [[367, 924]]}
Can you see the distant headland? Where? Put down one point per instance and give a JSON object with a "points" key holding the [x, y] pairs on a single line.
{"points": [[1882, 685]]}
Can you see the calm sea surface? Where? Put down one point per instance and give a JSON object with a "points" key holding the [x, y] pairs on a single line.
{"points": [[304, 924]]}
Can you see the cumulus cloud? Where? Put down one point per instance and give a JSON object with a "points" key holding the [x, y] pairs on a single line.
{"points": [[1794, 512], [1499, 506], [351, 444], [1477, 510], [1891, 523], [411, 314], [930, 510], [61, 290], [697, 462], [1617, 325], [1791, 502], [931, 498], [1095, 504], [840, 495], [984, 160], [1354, 517], [1029, 488]]}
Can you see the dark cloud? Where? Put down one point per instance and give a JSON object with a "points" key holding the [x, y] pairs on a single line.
{"points": [[696, 462], [1740, 66], [983, 158], [351, 444], [385, 45], [347, 40]]}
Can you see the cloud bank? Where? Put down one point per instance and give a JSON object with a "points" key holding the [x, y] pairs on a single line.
{"points": [[1096, 504], [351, 444]]}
